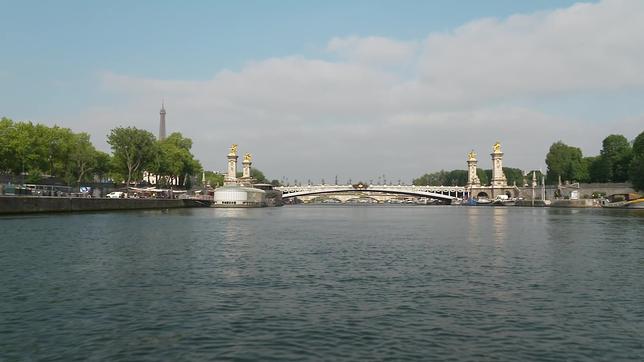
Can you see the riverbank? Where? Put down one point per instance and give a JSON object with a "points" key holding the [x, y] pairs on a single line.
{"points": [[36, 204]]}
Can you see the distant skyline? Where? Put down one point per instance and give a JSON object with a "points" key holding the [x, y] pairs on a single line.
{"points": [[317, 89]]}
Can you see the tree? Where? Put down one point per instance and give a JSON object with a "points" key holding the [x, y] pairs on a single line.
{"points": [[7, 154], [636, 169], [599, 169], [133, 149], [431, 179], [83, 156], [564, 162], [513, 176], [617, 154], [483, 176], [258, 176], [173, 161], [103, 165], [214, 179]]}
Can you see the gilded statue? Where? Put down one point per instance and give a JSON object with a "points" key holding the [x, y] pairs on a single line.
{"points": [[497, 147], [233, 149], [247, 157], [471, 155]]}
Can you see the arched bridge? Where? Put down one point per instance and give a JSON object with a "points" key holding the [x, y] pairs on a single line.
{"points": [[445, 193]]}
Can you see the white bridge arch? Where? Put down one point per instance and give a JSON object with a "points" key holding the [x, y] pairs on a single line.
{"points": [[446, 193]]}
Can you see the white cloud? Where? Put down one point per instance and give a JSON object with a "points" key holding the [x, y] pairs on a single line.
{"points": [[362, 117], [373, 50], [581, 48]]}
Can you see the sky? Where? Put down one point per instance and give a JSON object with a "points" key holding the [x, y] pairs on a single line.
{"points": [[361, 90]]}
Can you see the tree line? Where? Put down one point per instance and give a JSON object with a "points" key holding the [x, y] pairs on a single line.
{"points": [[36, 151], [459, 177], [618, 161]]}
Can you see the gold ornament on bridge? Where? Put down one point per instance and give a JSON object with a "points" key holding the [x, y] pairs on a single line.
{"points": [[233, 149], [497, 147], [247, 157], [471, 155]]}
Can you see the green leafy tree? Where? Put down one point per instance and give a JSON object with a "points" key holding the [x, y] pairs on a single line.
{"points": [[513, 176], [566, 162], [637, 163], [214, 179], [83, 157], [431, 179], [7, 153], [103, 165], [59, 144], [133, 150], [599, 169], [617, 154], [442, 178], [484, 178], [258, 176], [174, 161], [456, 178]]}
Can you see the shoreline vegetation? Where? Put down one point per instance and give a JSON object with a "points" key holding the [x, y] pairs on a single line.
{"points": [[32, 152], [619, 161]]}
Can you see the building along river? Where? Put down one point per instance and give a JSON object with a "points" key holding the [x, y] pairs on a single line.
{"points": [[323, 282]]}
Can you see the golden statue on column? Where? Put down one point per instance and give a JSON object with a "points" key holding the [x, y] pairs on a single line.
{"points": [[497, 147], [233, 149]]}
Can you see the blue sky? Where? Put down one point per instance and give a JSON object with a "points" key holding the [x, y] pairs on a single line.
{"points": [[78, 63]]}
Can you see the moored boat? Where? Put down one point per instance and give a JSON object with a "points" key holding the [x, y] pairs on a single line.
{"points": [[624, 201], [503, 200], [483, 201]]}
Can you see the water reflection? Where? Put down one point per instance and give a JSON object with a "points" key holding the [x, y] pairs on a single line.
{"points": [[232, 213], [473, 221], [500, 222]]}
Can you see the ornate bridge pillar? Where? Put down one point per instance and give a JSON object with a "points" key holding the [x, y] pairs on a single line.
{"points": [[247, 162], [472, 177], [498, 177], [231, 175]]}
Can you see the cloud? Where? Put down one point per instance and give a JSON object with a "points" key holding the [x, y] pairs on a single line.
{"points": [[581, 48], [373, 50], [407, 107]]}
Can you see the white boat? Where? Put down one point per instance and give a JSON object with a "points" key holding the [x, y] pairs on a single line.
{"points": [[503, 200], [483, 201]]}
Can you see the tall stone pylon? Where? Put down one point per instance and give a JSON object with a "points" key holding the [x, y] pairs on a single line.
{"points": [[472, 177], [231, 175], [162, 122], [246, 166], [498, 177]]}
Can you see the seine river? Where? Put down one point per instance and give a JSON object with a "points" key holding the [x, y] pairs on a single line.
{"points": [[324, 283]]}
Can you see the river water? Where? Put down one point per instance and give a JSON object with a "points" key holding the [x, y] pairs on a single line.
{"points": [[324, 283]]}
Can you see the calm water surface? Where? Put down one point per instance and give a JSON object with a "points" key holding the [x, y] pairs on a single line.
{"points": [[324, 283]]}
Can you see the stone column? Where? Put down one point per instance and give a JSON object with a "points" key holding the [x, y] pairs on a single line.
{"points": [[498, 177], [246, 170], [472, 177], [231, 175]]}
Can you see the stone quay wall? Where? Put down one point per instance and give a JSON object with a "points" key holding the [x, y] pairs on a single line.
{"points": [[35, 204]]}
